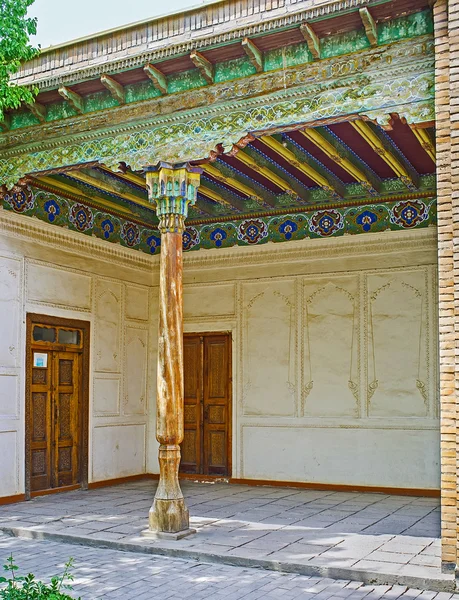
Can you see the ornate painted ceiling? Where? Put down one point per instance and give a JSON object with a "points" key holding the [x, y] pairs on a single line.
{"points": [[312, 124]]}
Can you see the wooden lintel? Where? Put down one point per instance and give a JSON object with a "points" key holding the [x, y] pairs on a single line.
{"points": [[158, 78], [38, 110], [204, 65], [370, 26], [74, 99], [5, 123], [115, 88], [254, 53], [311, 38]]}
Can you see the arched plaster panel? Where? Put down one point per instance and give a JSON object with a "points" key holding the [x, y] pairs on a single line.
{"points": [[108, 313], [331, 347], [398, 344], [269, 348]]}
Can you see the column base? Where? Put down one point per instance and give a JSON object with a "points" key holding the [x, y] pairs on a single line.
{"points": [[169, 516]]}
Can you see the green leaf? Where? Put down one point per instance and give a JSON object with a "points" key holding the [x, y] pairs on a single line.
{"points": [[15, 48]]}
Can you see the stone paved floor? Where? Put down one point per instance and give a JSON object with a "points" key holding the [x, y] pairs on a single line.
{"points": [[103, 573], [370, 537]]}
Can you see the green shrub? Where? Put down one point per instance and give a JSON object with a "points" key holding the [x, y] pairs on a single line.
{"points": [[28, 588]]}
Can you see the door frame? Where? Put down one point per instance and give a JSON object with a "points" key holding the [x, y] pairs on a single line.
{"points": [[229, 441], [35, 319]]}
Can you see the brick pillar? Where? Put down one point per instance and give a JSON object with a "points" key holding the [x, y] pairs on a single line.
{"points": [[446, 20]]}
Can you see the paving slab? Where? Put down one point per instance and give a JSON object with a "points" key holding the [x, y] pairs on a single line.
{"points": [[370, 538]]}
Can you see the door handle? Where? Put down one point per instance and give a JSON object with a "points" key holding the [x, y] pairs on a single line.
{"points": [[206, 413]]}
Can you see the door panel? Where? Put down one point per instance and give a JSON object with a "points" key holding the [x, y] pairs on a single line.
{"points": [[40, 426], [191, 446], [216, 402], [67, 410], [207, 382]]}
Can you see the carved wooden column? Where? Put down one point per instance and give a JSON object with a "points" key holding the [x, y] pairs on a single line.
{"points": [[172, 188]]}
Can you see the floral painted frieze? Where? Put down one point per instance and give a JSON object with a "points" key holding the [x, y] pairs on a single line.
{"points": [[250, 231]]}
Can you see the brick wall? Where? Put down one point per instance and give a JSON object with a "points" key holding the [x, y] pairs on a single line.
{"points": [[446, 18]]}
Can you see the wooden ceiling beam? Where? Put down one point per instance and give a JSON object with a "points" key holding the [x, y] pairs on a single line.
{"points": [[250, 162], [254, 53], [38, 110], [204, 65], [108, 187], [304, 167], [74, 99], [232, 182], [426, 140], [369, 24], [216, 197], [157, 77], [311, 38], [205, 207], [128, 176], [115, 88], [387, 151], [337, 153]]}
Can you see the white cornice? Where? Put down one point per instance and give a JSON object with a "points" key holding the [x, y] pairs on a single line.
{"points": [[27, 228], [383, 243]]}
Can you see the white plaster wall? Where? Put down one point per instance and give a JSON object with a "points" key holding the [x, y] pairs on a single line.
{"points": [[335, 356], [334, 351], [114, 296]]}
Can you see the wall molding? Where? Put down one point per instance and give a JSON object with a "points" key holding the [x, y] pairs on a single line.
{"points": [[64, 240], [385, 243]]}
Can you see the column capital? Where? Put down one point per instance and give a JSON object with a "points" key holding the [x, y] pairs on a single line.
{"points": [[172, 189]]}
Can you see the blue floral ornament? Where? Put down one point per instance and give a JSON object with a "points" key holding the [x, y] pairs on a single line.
{"points": [[218, 236], [53, 210], [366, 220], [288, 228]]}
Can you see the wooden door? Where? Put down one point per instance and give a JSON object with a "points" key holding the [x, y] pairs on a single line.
{"points": [[66, 410], [55, 412], [207, 383]]}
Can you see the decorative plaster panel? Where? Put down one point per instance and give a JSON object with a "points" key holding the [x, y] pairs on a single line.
{"points": [[50, 285], [398, 333], [118, 451], [396, 458], [9, 476], [198, 302], [331, 369], [107, 337], [9, 396], [268, 356], [10, 290], [106, 396], [135, 371], [137, 304]]}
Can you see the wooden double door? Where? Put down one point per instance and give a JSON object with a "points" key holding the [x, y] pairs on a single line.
{"points": [[206, 448], [55, 409]]}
